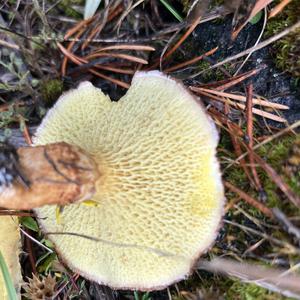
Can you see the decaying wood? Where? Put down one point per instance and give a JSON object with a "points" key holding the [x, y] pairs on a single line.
{"points": [[54, 174]]}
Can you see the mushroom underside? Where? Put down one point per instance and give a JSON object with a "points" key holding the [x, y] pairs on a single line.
{"points": [[159, 197]]}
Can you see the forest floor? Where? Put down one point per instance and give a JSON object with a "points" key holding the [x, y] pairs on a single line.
{"points": [[259, 151]]}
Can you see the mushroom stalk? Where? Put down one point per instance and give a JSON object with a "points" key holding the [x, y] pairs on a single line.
{"points": [[57, 173]]}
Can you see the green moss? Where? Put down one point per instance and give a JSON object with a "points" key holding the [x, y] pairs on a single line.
{"points": [[51, 90], [219, 287], [277, 155], [249, 291], [211, 75], [286, 51]]}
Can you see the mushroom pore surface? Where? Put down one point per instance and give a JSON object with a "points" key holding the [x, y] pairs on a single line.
{"points": [[160, 196]]}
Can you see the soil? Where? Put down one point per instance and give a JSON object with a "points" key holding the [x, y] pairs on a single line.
{"points": [[272, 83]]}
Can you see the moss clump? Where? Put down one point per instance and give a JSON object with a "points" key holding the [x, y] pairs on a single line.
{"points": [[288, 57], [213, 74], [219, 287], [278, 154], [249, 291], [287, 50], [51, 90]]}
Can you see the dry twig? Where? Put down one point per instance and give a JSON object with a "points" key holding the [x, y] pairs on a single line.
{"points": [[273, 279]]}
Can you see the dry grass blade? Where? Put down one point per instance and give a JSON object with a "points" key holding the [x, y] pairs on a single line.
{"points": [[5, 212], [116, 81], [9, 45], [27, 135], [277, 280], [242, 107], [118, 55], [127, 47], [125, 13], [257, 101], [227, 83], [100, 24], [67, 53], [115, 12], [81, 61], [116, 70], [257, 41], [259, 5], [69, 48], [277, 179], [249, 117], [236, 144], [278, 8], [223, 119], [287, 247], [268, 140], [182, 39], [247, 198], [191, 61], [237, 79], [77, 27], [287, 224], [238, 150]]}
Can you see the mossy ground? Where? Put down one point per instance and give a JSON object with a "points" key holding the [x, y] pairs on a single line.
{"points": [[277, 154], [286, 51]]}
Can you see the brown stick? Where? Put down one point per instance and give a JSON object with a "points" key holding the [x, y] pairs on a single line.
{"points": [[191, 61], [249, 116], [253, 202], [57, 174]]}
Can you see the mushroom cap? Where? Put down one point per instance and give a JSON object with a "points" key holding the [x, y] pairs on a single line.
{"points": [[10, 249], [160, 195]]}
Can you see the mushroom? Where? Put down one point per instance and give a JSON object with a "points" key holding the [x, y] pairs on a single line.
{"points": [[10, 249], [159, 195]]}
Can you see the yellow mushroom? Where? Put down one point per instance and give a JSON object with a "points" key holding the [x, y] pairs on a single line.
{"points": [[160, 195]]}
